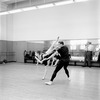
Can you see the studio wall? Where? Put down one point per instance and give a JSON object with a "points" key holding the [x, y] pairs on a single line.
{"points": [[73, 21]]}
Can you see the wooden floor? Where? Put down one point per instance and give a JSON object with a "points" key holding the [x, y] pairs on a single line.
{"points": [[19, 81]]}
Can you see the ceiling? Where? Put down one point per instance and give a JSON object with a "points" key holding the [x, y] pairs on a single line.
{"points": [[16, 4], [18, 1], [11, 1], [6, 5]]}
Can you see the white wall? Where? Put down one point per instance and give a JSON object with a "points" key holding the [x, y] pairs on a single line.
{"points": [[74, 21], [3, 22], [0, 22], [99, 17], [9, 27], [0, 28], [6, 27]]}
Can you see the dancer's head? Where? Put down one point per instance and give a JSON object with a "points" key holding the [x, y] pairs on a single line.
{"points": [[61, 42]]}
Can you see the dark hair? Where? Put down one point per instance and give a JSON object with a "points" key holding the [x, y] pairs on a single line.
{"points": [[89, 43], [61, 42]]}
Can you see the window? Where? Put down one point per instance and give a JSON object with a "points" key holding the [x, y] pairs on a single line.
{"points": [[73, 47], [82, 46], [74, 43]]}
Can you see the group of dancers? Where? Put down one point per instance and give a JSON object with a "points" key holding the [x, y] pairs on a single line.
{"points": [[61, 52]]}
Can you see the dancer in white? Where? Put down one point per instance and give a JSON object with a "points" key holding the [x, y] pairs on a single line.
{"points": [[51, 52], [45, 61]]}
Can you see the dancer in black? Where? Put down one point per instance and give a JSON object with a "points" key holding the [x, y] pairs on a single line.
{"points": [[63, 61], [99, 58]]}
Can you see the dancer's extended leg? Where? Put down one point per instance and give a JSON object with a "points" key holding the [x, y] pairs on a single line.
{"points": [[51, 47], [45, 72]]}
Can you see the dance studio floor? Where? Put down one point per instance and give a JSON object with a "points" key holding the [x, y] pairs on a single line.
{"points": [[19, 81]]}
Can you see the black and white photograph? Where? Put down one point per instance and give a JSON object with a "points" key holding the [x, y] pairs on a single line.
{"points": [[49, 49]]}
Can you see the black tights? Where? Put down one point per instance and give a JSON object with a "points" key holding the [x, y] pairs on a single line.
{"points": [[60, 64]]}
